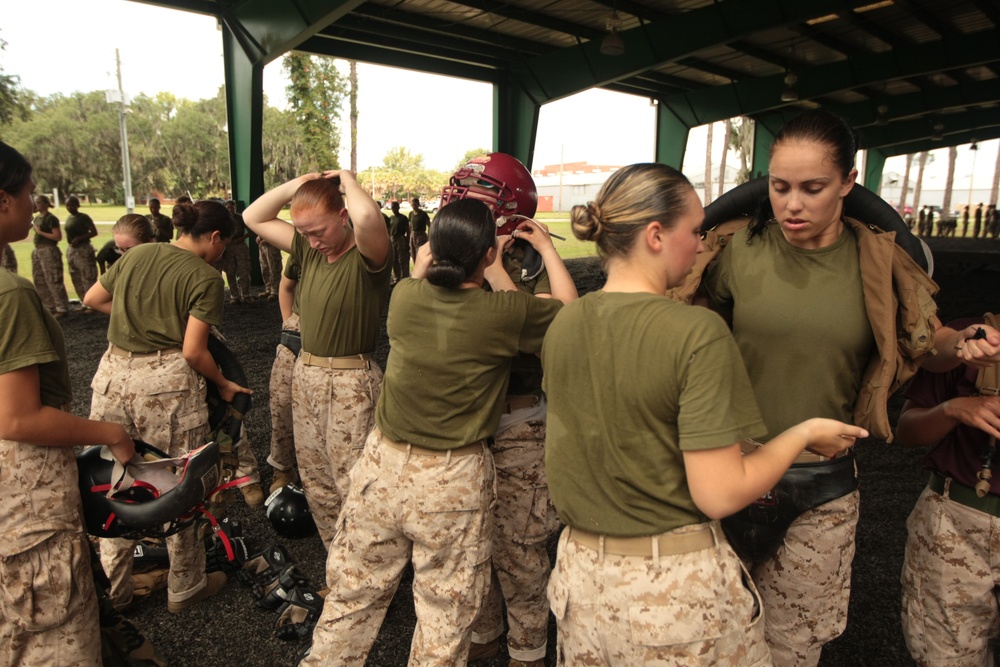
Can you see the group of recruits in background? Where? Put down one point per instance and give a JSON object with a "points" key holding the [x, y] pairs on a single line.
{"points": [[645, 418], [985, 222], [84, 262]]}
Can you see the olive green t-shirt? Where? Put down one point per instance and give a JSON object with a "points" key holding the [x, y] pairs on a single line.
{"points": [[633, 381], [526, 369], [163, 226], [450, 358], [154, 288], [77, 225], [293, 271], [30, 336], [47, 223], [800, 322], [398, 225], [340, 303]]}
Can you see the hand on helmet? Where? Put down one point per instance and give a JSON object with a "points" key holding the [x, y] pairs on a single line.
{"points": [[534, 232], [123, 448], [229, 390]]}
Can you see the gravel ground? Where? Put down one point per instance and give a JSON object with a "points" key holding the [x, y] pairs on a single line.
{"points": [[230, 630]]}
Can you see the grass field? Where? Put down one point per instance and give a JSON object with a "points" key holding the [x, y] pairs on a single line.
{"points": [[105, 216]]}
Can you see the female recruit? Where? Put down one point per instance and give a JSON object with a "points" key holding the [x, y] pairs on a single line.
{"points": [[80, 255], [829, 317], [648, 401], [46, 259], [163, 300], [48, 605], [422, 491], [345, 270]]}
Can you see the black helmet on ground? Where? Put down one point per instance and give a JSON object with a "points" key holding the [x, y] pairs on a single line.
{"points": [[289, 514]]}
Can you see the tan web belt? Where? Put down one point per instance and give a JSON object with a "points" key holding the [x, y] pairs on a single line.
{"points": [[353, 362], [667, 544]]}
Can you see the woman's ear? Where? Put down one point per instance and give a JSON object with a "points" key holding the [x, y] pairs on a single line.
{"points": [[653, 235]]}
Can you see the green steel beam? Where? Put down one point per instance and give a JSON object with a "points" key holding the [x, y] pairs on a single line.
{"points": [[955, 139], [905, 132], [671, 138], [515, 123], [754, 96], [763, 137], [874, 166], [270, 28], [577, 68], [245, 117]]}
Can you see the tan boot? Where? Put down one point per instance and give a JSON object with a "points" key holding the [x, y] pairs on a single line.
{"points": [[147, 583], [483, 651], [216, 582], [282, 478], [252, 494], [534, 663]]}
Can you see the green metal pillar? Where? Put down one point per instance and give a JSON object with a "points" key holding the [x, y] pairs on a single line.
{"points": [[245, 117], [874, 165], [762, 140], [671, 137], [515, 122]]}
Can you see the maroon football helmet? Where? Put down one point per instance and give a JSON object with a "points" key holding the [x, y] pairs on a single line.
{"points": [[501, 182]]}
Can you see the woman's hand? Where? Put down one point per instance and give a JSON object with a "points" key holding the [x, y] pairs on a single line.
{"points": [[422, 262], [535, 233], [123, 448], [229, 389], [829, 437], [982, 412], [978, 345]]}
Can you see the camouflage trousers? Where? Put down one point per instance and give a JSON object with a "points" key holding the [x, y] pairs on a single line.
{"points": [[671, 610], [160, 400], [950, 575], [247, 466], [82, 267], [270, 267], [282, 456], [401, 257], [433, 511], [48, 605], [524, 518], [47, 274], [806, 585], [334, 411], [236, 264], [8, 260]]}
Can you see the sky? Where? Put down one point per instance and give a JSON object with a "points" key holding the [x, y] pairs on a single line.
{"points": [[61, 46]]}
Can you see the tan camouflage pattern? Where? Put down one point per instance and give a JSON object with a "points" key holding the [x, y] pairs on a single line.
{"points": [[334, 411], [8, 260], [400, 257], [282, 456], [687, 609], [524, 519], [236, 264], [950, 571], [48, 605], [47, 274], [439, 509], [247, 461], [82, 267], [270, 267], [806, 585], [160, 400]]}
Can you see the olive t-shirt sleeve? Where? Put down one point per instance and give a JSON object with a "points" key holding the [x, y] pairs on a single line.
{"points": [[539, 315], [207, 302], [28, 343]]}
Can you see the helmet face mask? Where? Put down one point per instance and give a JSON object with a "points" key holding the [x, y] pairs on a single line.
{"points": [[501, 182]]}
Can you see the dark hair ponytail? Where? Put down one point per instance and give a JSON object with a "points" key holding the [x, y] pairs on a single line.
{"points": [[201, 218], [461, 235]]}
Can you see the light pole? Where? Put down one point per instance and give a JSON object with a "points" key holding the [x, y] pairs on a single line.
{"points": [[972, 176], [119, 97]]}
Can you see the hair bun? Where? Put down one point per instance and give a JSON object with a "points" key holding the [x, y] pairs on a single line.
{"points": [[185, 216]]}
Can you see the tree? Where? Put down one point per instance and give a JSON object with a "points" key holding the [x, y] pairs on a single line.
{"points": [[354, 115], [315, 92], [906, 184], [13, 102], [475, 152], [921, 163], [725, 153], [949, 183], [741, 141], [708, 164], [403, 175]]}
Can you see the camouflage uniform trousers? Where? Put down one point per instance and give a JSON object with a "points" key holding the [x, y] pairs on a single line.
{"points": [[47, 274], [806, 585], [416, 240], [950, 571], [674, 610], [247, 466], [524, 518], [8, 260], [270, 267], [401, 257], [82, 267], [160, 400], [282, 456], [48, 605], [236, 264], [433, 510], [334, 411]]}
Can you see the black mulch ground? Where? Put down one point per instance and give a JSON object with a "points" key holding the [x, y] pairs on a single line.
{"points": [[230, 630]]}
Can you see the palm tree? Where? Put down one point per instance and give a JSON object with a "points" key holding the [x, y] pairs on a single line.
{"points": [[949, 185], [725, 152], [906, 185], [921, 163], [708, 165], [996, 179]]}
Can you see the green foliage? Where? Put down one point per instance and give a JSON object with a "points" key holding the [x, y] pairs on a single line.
{"points": [[315, 93], [13, 99], [402, 176]]}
